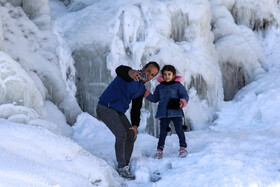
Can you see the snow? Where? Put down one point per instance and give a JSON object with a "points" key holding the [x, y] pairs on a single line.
{"points": [[223, 155], [34, 156], [35, 50], [218, 45], [17, 87]]}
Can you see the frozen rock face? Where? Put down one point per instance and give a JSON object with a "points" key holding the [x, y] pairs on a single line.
{"points": [[90, 46], [238, 27], [1, 35], [134, 33], [215, 45], [37, 10], [257, 15], [17, 87], [92, 76], [34, 47], [20, 100]]}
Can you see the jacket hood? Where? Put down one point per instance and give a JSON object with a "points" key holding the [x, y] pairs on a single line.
{"points": [[177, 78]]}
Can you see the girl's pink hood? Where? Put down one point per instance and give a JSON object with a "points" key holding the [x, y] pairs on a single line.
{"points": [[177, 78]]}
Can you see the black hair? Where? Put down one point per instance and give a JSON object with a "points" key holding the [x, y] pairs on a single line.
{"points": [[168, 68], [152, 63]]}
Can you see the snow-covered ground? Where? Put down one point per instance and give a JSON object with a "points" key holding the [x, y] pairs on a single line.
{"points": [[240, 147], [218, 156]]}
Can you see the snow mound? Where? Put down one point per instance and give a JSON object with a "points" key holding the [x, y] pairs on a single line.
{"points": [[17, 87], [35, 50], [35, 156]]}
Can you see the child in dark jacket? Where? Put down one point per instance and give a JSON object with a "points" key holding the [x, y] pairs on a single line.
{"points": [[172, 97]]}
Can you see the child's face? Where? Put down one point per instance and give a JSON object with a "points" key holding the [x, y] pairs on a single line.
{"points": [[168, 76]]}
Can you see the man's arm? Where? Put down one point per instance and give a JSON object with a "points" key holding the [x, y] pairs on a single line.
{"points": [[136, 111], [122, 71], [127, 73]]}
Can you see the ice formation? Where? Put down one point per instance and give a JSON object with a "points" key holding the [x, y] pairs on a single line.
{"points": [[20, 100], [34, 48], [54, 50], [216, 45], [37, 10], [236, 25], [213, 44], [139, 32], [17, 87]]}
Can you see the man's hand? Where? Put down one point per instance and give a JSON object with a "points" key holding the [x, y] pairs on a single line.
{"points": [[134, 128], [134, 74]]}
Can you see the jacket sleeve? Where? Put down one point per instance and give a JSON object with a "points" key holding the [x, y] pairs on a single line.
{"points": [[183, 93], [153, 97], [136, 111], [122, 71]]}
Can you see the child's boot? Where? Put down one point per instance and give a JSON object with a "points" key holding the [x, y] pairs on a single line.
{"points": [[159, 154], [182, 152]]}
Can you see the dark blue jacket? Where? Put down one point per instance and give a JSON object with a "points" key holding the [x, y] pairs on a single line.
{"points": [[164, 92], [121, 91]]}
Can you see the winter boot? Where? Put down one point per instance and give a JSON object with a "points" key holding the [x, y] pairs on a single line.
{"points": [[125, 173], [182, 152], [159, 154]]}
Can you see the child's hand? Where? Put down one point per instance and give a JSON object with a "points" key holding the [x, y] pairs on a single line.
{"points": [[147, 92], [181, 104], [134, 74]]}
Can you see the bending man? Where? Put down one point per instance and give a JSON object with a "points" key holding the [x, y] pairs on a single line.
{"points": [[114, 102]]}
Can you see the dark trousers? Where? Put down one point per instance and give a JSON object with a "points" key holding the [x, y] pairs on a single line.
{"points": [[119, 126], [164, 123]]}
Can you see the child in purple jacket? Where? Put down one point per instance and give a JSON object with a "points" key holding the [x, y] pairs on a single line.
{"points": [[172, 97]]}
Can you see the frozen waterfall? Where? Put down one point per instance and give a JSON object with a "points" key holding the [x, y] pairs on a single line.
{"points": [[71, 57], [27, 39], [215, 45]]}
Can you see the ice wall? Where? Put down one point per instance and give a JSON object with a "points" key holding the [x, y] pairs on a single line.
{"points": [[1, 34], [134, 33], [17, 87], [215, 45], [176, 33], [92, 76], [35, 49], [20, 99], [89, 43], [257, 15], [236, 26], [37, 10]]}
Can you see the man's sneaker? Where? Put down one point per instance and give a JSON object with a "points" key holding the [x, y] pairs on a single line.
{"points": [[159, 154], [182, 152], [125, 173]]}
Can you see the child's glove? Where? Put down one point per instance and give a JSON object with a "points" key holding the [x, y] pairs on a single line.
{"points": [[173, 104], [168, 129]]}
